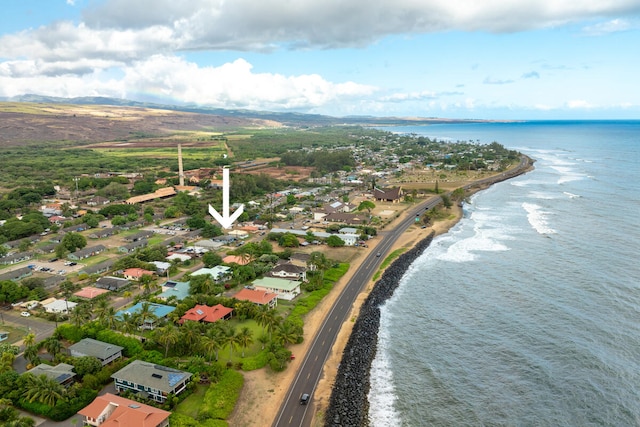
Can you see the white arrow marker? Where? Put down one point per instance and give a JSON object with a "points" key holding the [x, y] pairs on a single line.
{"points": [[225, 220]]}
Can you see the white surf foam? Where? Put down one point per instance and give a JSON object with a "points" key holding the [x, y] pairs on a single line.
{"points": [[382, 393], [537, 217], [542, 195], [571, 195]]}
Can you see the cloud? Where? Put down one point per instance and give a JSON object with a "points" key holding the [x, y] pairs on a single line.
{"points": [[139, 29], [492, 81], [604, 28], [531, 75], [579, 104], [231, 85]]}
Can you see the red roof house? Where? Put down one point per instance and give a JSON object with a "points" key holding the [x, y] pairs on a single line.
{"points": [[110, 410], [204, 313], [257, 297], [136, 273]]}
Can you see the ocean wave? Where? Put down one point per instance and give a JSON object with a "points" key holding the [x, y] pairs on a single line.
{"points": [[382, 394], [537, 218], [571, 195]]}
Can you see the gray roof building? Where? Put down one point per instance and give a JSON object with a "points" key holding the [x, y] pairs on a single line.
{"points": [[102, 351], [151, 380], [98, 268], [62, 373]]}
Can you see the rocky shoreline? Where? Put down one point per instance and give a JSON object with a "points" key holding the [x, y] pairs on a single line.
{"points": [[349, 405]]}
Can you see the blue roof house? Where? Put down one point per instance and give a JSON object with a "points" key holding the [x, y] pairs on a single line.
{"points": [[160, 311], [172, 288]]}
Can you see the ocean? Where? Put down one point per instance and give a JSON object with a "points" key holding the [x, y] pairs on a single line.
{"points": [[527, 313]]}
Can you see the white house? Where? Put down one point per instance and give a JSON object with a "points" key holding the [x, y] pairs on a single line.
{"points": [[60, 306]]}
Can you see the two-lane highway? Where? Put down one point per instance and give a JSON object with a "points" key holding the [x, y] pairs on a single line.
{"points": [[292, 413]]}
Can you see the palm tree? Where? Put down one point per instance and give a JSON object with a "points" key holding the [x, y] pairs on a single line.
{"points": [[190, 335], [263, 315], [53, 346], [245, 338], [101, 309], [146, 314], [167, 336], [287, 333], [263, 339], [31, 354], [211, 341], [129, 323], [81, 314], [43, 389], [6, 362], [229, 338], [273, 323], [109, 318], [29, 339]]}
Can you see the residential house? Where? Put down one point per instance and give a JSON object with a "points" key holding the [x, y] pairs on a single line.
{"points": [[99, 268], [132, 224], [178, 256], [301, 260], [104, 352], [51, 209], [16, 258], [131, 247], [110, 410], [284, 288], [287, 270], [17, 274], [47, 248], [100, 233], [62, 373], [171, 288], [159, 311], [53, 280], [136, 273], [161, 267], [86, 252], [347, 218], [111, 283], [15, 244], [141, 235], [392, 195], [90, 292], [151, 381], [218, 273], [257, 297], [235, 259], [98, 201], [205, 313], [73, 229], [60, 306]]}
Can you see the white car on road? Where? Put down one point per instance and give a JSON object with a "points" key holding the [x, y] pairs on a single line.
{"points": [[25, 314]]}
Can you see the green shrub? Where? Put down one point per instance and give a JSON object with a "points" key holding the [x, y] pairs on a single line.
{"points": [[221, 398], [132, 346], [70, 332]]}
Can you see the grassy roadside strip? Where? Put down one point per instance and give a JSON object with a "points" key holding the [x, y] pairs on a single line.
{"points": [[388, 260]]}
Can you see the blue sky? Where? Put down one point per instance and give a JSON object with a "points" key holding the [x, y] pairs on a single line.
{"points": [[494, 59]]}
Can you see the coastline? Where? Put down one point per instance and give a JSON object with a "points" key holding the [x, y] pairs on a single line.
{"points": [[264, 391]]}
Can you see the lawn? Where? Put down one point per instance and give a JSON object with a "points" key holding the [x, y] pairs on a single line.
{"points": [[191, 405]]}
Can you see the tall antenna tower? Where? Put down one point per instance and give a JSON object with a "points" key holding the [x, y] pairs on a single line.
{"points": [[180, 170]]}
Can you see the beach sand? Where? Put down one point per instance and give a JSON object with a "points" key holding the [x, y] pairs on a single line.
{"points": [[264, 391]]}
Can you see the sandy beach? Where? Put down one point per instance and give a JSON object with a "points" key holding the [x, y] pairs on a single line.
{"points": [[264, 391]]}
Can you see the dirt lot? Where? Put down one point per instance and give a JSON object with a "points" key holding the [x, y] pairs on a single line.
{"points": [[293, 173]]}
